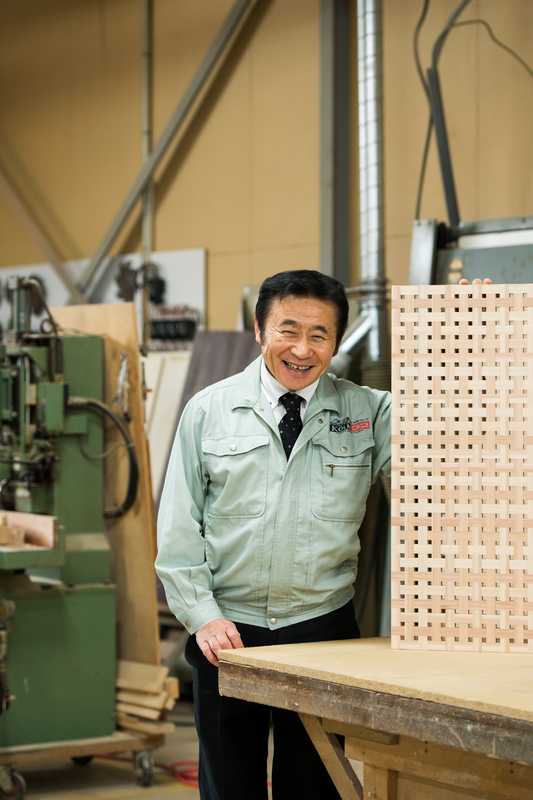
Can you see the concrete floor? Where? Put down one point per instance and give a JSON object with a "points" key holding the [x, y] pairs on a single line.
{"points": [[115, 779]]}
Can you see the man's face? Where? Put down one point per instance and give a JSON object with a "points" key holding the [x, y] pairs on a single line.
{"points": [[299, 340]]}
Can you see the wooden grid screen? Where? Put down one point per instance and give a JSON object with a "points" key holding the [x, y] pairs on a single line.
{"points": [[462, 479]]}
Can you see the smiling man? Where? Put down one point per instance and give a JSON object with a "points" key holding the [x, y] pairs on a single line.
{"points": [[258, 526]]}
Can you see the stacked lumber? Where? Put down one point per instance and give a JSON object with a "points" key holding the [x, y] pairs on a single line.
{"points": [[20, 530], [144, 694], [10, 536]]}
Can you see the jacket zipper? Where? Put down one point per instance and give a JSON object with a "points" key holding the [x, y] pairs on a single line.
{"points": [[331, 467]]}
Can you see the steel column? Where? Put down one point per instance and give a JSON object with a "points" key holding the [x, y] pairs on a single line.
{"points": [[147, 128]]}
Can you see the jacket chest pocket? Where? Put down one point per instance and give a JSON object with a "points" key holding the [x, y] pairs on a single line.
{"points": [[236, 469], [340, 479]]}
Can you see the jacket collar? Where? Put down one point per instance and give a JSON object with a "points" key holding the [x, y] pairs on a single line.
{"points": [[248, 391]]}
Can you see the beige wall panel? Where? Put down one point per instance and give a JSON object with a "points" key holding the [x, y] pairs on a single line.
{"points": [[506, 111], [204, 199], [226, 275], [243, 182], [21, 249], [489, 110], [406, 113], [285, 113], [267, 262], [397, 257], [68, 73]]}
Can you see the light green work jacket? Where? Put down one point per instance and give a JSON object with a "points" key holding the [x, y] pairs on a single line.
{"points": [[247, 535]]}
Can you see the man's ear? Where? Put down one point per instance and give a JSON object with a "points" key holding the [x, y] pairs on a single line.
{"points": [[257, 332]]}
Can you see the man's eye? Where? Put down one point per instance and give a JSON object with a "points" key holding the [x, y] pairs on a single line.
{"points": [[319, 339], [288, 333]]}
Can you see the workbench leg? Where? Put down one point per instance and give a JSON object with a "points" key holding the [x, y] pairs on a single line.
{"points": [[379, 784], [332, 755]]}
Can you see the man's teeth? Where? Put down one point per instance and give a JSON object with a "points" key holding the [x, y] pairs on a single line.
{"points": [[296, 367]]}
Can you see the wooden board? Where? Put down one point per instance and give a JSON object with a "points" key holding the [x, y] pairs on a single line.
{"points": [[118, 742], [495, 683], [132, 537], [141, 677], [138, 711], [37, 530], [172, 687], [441, 768], [156, 701], [317, 686], [462, 477], [143, 725]]}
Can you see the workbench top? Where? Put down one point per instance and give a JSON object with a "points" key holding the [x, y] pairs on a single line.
{"points": [[494, 683], [465, 719]]}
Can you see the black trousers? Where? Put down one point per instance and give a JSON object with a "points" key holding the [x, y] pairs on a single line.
{"points": [[233, 734]]}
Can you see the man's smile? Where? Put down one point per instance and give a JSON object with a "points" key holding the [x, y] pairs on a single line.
{"points": [[296, 367]]}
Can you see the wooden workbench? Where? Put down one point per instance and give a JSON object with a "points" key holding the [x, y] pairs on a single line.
{"points": [[425, 725]]}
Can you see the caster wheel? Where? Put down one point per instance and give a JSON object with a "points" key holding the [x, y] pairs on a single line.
{"points": [[82, 761], [144, 768], [18, 787]]}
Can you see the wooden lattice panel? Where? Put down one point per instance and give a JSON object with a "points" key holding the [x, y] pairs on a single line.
{"points": [[462, 478]]}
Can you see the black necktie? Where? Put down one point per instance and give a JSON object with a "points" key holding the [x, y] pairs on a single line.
{"points": [[291, 424]]}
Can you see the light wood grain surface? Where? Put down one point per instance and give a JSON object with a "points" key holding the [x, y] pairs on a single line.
{"points": [[497, 683], [462, 480]]}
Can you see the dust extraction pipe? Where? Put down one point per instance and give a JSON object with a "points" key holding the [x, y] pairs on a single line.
{"points": [[370, 102], [371, 328]]}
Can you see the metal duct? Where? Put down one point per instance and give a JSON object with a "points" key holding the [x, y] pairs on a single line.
{"points": [[366, 347], [364, 352], [370, 102]]}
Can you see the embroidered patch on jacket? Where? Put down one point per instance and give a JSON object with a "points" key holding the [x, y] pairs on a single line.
{"points": [[338, 425]]}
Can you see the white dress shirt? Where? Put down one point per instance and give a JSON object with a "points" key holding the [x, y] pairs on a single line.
{"points": [[273, 390]]}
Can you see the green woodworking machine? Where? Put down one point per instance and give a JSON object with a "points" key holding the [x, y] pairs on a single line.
{"points": [[57, 599]]}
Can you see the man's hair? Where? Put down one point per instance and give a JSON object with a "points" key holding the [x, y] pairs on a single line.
{"points": [[302, 283]]}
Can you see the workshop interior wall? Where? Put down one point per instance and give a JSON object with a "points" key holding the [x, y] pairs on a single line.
{"points": [[488, 100], [245, 182]]}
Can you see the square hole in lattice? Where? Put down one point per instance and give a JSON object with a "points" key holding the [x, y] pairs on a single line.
{"points": [[462, 573]]}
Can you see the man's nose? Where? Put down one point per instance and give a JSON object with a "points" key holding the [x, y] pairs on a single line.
{"points": [[301, 348]]}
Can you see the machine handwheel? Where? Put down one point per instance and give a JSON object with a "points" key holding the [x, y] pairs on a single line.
{"points": [[18, 787], [144, 768]]}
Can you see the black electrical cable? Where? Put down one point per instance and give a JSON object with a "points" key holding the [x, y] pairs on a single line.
{"points": [[429, 129], [416, 37], [39, 288], [437, 50], [436, 55], [33, 363], [443, 35], [498, 42], [133, 476]]}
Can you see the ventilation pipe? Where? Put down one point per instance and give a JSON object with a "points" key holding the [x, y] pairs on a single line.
{"points": [[367, 340], [364, 354]]}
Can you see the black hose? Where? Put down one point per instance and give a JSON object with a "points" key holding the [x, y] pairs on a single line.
{"points": [[133, 476], [35, 283]]}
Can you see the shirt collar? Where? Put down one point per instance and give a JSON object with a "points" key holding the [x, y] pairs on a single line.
{"points": [[274, 389]]}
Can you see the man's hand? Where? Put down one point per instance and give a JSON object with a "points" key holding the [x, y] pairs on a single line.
{"points": [[219, 634]]}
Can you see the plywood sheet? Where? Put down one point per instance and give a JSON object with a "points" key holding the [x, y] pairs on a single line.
{"points": [[462, 483], [497, 683], [132, 537], [165, 374]]}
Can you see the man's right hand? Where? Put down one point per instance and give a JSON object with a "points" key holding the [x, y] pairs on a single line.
{"points": [[219, 634]]}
